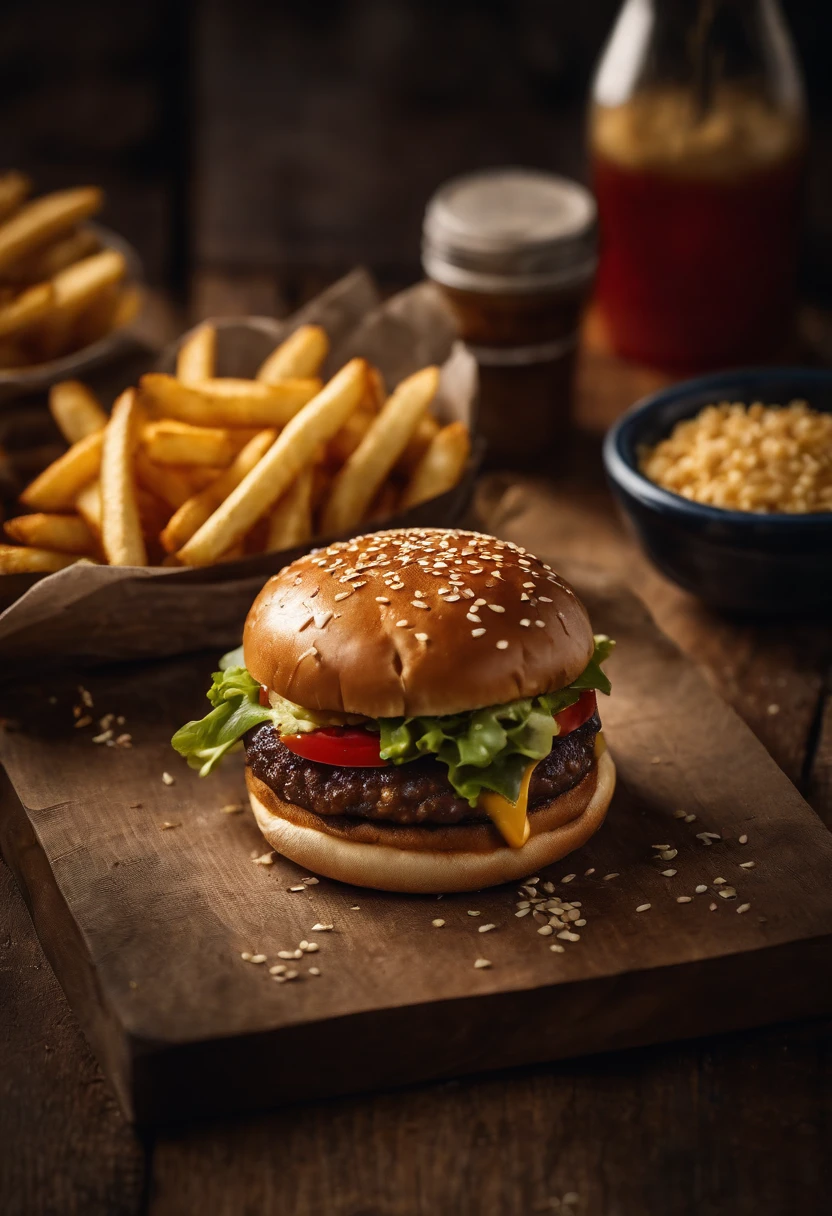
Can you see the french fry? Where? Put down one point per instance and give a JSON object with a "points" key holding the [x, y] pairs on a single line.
{"points": [[227, 402], [193, 513], [179, 443], [172, 485], [76, 410], [441, 466], [63, 533], [290, 522], [121, 529], [376, 394], [88, 506], [14, 189], [76, 289], [420, 441], [127, 307], [57, 487], [44, 219], [25, 310], [341, 446], [293, 449], [358, 482], [196, 358], [300, 356], [43, 263], [19, 559]]}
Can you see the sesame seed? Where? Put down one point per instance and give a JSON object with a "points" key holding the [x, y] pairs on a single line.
{"points": [[642, 907], [495, 607], [566, 935], [544, 599], [299, 888], [256, 958], [529, 585], [502, 644], [743, 840], [712, 907], [421, 637], [382, 599], [451, 599], [277, 969], [314, 971], [319, 928], [668, 854], [743, 908], [659, 846], [540, 624], [472, 616], [718, 882], [486, 928], [522, 912], [471, 912], [266, 859], [438, 923], [402, 624], [556, 948], [481, 963], [246, 956], [678, 814], [727, 893], [773, 709], [479, 604], [568, 877], [421, 604], [701, 888], [668, 873], [683, 899], [342, 595], [545, 930], [477, 633], [167, 779], [607, 877], [233, 808], [310, 947]]}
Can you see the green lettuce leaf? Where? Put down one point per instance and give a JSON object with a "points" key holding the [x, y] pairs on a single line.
{"points": [[487, 749]]}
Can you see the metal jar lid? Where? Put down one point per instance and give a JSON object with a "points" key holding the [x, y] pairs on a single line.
{"points": [[510, 230]]}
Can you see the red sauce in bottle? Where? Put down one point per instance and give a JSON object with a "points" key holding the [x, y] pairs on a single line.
{"points": [[698, 242]]}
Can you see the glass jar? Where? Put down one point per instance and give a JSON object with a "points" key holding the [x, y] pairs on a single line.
{"points": [[513, 252], [697, 140]]}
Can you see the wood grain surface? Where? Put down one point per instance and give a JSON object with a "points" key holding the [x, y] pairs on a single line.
{"points": [[145, 896]]}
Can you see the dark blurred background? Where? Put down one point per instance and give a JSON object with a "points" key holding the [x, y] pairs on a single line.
{"points": [[285, 142]]}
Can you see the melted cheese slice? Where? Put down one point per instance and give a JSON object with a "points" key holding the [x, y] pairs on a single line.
{"points": [[510, 818]]}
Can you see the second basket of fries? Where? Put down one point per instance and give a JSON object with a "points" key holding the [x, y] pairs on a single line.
{"points": [[250, 441]]}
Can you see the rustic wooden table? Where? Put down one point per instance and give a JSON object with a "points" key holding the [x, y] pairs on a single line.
{"points": [[739, 1124]]}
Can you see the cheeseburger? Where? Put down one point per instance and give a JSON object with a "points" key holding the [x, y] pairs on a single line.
{"points": [[418, 709]]}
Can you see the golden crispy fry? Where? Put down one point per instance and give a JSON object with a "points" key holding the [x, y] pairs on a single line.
{"points": [[293, 449], [14, 189], [193, 513], [44, 219], [420, 441], [127, 307], [170, 484], [64, 533], [75, 290], [376, 394], [76, 410], [57, 487], [290, 522], [43, 263], [88, 506], [121, 529], [197, 356], [179, 443], [441, 466], [300, 356], [227, 402], [360, 479], [25, 310], [17, 559], [341, 446]]}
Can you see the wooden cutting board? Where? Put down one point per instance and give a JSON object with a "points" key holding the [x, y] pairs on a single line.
{"points": [[145, 923]]}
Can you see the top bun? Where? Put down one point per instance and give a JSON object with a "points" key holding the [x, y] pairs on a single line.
{"points": [[416, 621]]}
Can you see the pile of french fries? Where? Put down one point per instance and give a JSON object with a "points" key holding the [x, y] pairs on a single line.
{"points": [[59, 291], [194, 469]]}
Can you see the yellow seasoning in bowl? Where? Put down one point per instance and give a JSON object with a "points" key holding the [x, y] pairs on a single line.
{"points": [[761, 458]]}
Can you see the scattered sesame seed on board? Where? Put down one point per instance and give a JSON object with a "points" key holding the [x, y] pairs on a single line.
{"points": [[701, 888], [167, 779], [684, 899], [481, 963], [742, 840], [642, 907], [438, 923], [747, 865], [743, 908]]}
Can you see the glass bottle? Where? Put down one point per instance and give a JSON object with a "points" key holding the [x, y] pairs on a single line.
{"points": [[697, 141]]}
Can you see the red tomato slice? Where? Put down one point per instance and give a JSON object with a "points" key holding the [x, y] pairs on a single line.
{"points": [[346, 745], [575, 715]]}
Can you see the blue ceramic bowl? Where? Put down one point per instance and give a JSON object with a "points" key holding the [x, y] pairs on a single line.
{"points": [[734, 560]]}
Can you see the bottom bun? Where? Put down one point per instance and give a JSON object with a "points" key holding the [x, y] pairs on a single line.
{"points": [[425, 871]]}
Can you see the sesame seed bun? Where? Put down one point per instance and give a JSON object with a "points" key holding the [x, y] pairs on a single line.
{"points": [[382, 626], [424, 860]]}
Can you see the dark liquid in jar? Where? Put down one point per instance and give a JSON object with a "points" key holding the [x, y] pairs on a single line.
{"points": [[698, 268]]}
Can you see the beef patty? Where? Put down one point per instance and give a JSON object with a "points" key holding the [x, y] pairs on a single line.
{"points": [[418, 792]]}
